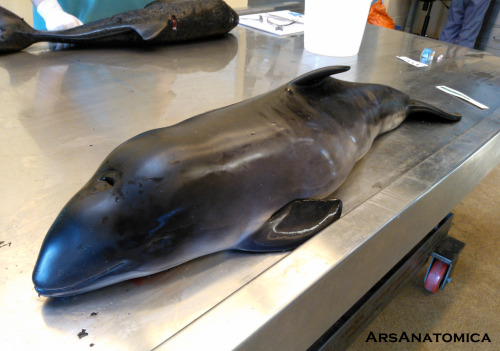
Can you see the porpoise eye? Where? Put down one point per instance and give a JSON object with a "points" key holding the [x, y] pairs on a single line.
{"points": [[109, 180]]}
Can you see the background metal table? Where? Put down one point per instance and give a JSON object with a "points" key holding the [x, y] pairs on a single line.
{"points": [[61, 113]]}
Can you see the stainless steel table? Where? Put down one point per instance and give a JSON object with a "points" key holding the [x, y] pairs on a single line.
{"points": [[61, 113]]}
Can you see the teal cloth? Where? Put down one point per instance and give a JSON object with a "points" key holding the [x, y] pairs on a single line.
{"points": [[92, 10]]}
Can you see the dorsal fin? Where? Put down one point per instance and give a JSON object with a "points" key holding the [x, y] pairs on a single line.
{"points": [[149, 30], [316, 76]]}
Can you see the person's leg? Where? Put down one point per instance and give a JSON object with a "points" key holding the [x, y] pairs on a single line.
{"points": [[473, 19], [453, 25]]}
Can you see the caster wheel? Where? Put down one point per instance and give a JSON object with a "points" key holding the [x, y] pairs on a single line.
{"points": [[435, 276]]}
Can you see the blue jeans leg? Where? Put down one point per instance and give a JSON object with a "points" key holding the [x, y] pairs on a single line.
{"points": [[453, 25], [473, 19]]}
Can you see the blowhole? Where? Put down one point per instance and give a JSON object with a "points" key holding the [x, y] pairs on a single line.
{"points": [[109, 180]]}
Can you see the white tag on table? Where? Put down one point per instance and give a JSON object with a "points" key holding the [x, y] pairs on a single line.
{"points": [[412, 62], [461, 96]]}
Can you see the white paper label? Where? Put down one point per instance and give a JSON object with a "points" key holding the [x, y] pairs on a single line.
{"points": [[461, 96], [412, 62]]}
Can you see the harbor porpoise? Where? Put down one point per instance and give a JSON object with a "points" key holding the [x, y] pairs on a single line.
{"points": [[162, 21], [253, 176]]}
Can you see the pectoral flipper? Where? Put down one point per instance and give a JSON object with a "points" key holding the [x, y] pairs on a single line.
{"points": [[292, 225]]}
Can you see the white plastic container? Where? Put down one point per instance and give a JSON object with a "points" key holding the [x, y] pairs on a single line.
{"points": [[335, 27]]}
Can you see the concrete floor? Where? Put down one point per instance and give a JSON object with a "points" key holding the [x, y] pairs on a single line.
{"points": [[471, 302]]}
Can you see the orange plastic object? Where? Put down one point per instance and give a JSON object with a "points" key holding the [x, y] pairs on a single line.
{"points": [[378, 16], [435, 276]]}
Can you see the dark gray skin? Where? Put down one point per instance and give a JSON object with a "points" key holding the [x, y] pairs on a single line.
{"points": [[162, 21], [254, 176]]}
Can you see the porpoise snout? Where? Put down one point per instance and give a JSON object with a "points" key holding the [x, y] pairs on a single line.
{"points": [[74, 254]]}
